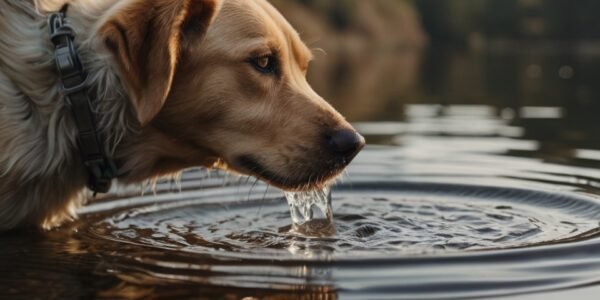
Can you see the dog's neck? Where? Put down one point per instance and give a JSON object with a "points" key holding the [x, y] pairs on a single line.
{"points": [[41, 170], [40, 165]]}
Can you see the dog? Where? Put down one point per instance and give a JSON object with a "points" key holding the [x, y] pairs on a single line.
{"points": [[176, 84]]}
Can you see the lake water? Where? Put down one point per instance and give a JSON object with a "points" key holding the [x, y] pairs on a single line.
{"points": [[448, 201]]}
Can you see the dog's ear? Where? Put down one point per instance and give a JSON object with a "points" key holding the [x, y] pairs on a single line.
{"points": [[145, 38]]}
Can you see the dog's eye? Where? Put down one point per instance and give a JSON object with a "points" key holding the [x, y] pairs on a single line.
{"points": [[265, 64]]}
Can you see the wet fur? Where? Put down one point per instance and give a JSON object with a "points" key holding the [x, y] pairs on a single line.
{"points": [[185, 101]]}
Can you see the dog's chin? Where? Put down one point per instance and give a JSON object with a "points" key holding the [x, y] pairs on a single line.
{"points": [[250, 166]]}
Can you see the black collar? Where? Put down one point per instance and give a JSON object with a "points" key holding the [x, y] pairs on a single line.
{"points": [[74, 89]]}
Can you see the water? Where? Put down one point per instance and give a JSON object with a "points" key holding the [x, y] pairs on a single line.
{"points": [[372, 219], [452, 203], [311, 212]]}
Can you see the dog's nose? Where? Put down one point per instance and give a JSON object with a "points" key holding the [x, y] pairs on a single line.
{"points": [[346, 143]]}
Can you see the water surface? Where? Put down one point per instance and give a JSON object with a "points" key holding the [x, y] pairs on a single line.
{"points": [[453, 202]]}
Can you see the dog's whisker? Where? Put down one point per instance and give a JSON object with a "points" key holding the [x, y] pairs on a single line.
{"points": [[179, 181], [251, 189], [263, 201], [154, 185], [347, 178], [247, 179], [239, 183]]}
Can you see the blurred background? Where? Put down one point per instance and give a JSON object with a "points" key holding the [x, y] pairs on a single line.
{"points": [[378, 56], [535, 64]]}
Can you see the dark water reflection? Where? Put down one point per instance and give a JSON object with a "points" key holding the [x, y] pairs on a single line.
{"points": [[492, 143]]}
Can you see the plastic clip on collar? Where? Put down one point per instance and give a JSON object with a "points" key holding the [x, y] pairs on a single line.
{"points": [[74, 89]]}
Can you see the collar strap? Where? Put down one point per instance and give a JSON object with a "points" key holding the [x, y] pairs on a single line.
{"points": [[74, 90]]}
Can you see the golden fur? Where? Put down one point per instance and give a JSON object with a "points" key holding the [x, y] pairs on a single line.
{"points": [[175, 89]]}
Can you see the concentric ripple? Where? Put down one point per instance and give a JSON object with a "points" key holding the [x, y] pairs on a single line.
{"points": [[455, 206], [395, 239], [371, 220]]}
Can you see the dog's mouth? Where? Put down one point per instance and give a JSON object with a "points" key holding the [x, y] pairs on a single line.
{"points": [[304, 181]]}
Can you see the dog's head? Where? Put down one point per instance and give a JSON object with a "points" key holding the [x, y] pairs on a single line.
{"points": [[225, 82]]}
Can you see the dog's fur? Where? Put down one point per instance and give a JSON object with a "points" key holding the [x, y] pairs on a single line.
{"points": [[174, 88]]}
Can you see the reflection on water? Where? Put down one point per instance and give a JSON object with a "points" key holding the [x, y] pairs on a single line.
{"points": [[372, 220], [437, 200]]}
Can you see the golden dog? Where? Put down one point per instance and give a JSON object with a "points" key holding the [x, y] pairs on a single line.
{"points": [[177, 84]]}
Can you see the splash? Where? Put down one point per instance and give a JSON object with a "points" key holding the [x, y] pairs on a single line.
{"points": [[311, 212]]}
